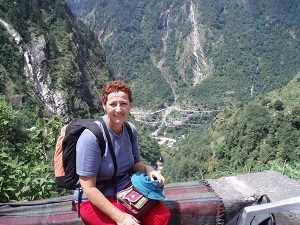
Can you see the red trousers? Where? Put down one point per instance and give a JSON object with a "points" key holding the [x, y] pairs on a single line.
{"points": [[91, 215]]}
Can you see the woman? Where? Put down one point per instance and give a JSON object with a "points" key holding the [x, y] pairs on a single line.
{"points": [[99, 205]]}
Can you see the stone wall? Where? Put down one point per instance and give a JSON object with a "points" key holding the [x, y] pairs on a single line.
{"points": [[239, 191]]}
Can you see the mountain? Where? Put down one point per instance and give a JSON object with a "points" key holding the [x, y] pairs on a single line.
{"points": [[197, 54], [235, 63], [229, 62], [49, 62]]}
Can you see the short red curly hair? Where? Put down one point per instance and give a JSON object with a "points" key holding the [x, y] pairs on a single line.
{"points": [[115, 86]]}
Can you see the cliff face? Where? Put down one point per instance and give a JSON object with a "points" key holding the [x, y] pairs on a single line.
{"points": [[64, 66], [36, 73], [182, 31]]}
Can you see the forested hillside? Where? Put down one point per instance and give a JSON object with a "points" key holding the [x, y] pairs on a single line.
{"points": [[50, 62], [261, 135], [205, 53]]}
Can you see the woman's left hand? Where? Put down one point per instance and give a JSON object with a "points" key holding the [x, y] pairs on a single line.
{"points": [[155, 175]]}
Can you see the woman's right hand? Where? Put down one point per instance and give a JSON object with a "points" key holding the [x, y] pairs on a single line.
{"points": [[127, 219]]}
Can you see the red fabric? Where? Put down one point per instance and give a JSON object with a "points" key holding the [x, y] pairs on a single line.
{"points": [[157, 215]]}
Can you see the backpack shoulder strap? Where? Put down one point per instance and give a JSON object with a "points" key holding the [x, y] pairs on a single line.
{"points": [[129, 130], [95, 129], [110, 147]]}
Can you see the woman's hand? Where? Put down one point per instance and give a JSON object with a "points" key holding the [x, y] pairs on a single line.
{"points": [[150, 171], [155, 175], [127, 219]]}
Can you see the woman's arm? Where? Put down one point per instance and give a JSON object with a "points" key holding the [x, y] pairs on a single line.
{"points": [[150, 171], [95, 196]]}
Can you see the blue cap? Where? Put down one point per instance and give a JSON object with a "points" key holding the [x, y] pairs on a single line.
{"points": [[151, 189]]}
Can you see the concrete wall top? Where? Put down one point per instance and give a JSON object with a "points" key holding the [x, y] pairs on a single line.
{"points": [[239, 191]]}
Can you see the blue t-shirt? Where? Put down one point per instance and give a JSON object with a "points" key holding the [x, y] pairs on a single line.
{"points": [[89, 162]]}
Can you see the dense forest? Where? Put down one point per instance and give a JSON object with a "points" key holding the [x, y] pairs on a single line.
{"points": [[57, 70]]}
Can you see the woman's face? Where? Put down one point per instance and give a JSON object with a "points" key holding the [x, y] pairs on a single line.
{"points": [[117, 108]]}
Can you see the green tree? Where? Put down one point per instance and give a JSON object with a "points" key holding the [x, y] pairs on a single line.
{"points": [[7, 115], [26, 171]]}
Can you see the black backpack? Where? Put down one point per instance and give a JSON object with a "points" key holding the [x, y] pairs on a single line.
{"points": [[260, 219], [65, 150]]}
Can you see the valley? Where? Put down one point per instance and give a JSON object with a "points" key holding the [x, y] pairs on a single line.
{"points": [[173, 116], [162, 121]]}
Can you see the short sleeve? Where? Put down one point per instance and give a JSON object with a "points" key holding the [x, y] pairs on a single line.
{"points": [[88, 156]]}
